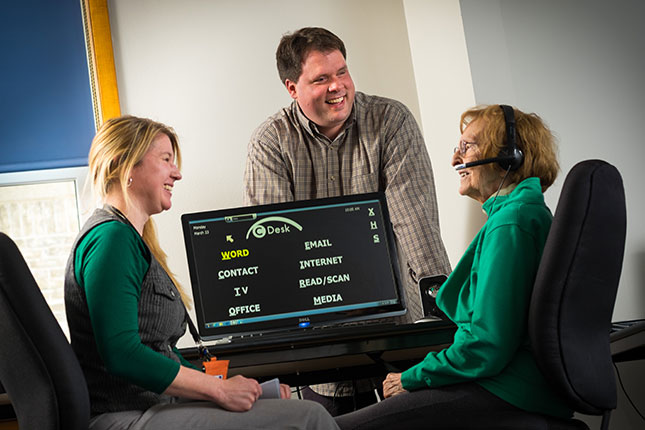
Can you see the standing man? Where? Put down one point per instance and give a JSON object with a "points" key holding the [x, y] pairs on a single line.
{"points": [[333, 141]]}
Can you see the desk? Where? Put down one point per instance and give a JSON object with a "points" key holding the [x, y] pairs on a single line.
{"points": [[627, 342], [333, 357]]}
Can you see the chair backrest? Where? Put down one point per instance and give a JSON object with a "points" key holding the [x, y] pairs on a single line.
{"points": [[575, 288], [38, 367]]}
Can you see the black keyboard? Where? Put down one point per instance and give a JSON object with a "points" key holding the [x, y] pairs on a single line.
{"points": [[319, 332], [322, 334]]}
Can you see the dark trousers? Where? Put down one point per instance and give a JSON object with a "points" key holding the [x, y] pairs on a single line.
{"points": [[452, 407]]}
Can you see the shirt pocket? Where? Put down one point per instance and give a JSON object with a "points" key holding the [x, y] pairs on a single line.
{"points": [[166, 290], [161, 316]]}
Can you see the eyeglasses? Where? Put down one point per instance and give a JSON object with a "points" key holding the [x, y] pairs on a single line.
{"points": [[463, 147]]}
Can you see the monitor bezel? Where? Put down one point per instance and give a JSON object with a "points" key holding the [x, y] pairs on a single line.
{"points": [[383, 312]]}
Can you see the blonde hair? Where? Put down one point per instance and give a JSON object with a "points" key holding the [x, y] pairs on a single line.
{"points": [[533, 137], [117, 147]]}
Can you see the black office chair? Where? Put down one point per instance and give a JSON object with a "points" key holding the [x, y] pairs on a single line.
{"points": [[573, 298], [37, 365], [575, 289]]}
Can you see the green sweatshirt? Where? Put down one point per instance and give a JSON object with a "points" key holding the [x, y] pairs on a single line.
{"points": [[111, 262], [487, 296]]}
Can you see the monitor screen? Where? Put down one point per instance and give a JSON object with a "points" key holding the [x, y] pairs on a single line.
{"points": [[292, 265]]}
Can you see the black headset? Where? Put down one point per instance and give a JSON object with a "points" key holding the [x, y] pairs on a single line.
{"points": [[511, 156]]}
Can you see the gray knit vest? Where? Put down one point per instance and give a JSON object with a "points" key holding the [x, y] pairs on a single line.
{"points": [[162, 321]]}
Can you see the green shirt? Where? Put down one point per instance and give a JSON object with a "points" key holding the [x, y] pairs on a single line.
{"points": [[488, 296], [110, 264]]}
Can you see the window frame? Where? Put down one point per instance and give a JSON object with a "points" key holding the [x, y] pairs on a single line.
{"points": [[76, 174], [100, 57]]}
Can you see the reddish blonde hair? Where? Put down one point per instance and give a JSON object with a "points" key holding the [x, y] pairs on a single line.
{"points": [[533, 137]]}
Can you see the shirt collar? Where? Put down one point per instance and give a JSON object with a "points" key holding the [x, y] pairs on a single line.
{"points": [[529, 187], [507, 190], [311, 126]]}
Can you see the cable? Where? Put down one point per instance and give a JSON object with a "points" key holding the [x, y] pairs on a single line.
{"points": [[333, 399], [500, 187], [297, 391], [620, 380], [355, 393], [375, 390]]}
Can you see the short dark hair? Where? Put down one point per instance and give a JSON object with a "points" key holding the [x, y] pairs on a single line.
{"points": [[294, 48]]}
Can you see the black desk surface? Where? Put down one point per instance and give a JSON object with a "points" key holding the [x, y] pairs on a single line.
{"points": [[332, 355], [627, 340]]}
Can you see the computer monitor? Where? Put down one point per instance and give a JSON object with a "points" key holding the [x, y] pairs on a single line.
{"points": [[285, 266]]}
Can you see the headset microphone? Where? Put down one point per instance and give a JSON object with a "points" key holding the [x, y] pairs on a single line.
{"points": [[480, 162], [511, 156]]}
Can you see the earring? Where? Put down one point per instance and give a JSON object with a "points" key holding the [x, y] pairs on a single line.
{"points": [[129, 182]]}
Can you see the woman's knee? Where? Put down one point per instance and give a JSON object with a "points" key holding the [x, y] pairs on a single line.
{"points": [[317, 415]]}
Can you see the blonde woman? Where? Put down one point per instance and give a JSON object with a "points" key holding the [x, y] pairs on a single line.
{"points": [[125, 310]]}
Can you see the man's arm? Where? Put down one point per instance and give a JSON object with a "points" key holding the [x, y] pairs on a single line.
{"points": [[267, 178], [410, 191]]}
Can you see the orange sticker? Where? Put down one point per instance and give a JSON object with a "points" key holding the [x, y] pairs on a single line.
{"points": [[215, 367]]}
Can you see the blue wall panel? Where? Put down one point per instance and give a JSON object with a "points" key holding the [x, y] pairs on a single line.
{"points": [[46, 117]]}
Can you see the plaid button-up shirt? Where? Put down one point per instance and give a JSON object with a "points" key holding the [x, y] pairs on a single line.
{"points": [[379, 148]]}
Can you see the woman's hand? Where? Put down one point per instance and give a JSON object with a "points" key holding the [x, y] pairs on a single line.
{"points": [[234, 394], [285, 391], [238, 393], [392, 385]]}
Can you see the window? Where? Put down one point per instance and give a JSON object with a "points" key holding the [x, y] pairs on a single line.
{"points": [[41, 212]]}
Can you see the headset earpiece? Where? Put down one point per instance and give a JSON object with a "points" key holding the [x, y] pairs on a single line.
{"points": [[511, 157]]}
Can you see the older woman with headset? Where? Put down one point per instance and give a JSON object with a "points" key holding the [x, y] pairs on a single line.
{"points": [[505, 160]]}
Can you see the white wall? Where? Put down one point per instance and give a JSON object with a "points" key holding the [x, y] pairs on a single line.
{"points": [[579, 65], [444, 85], [208, 69]]}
